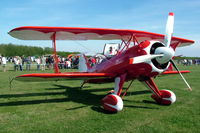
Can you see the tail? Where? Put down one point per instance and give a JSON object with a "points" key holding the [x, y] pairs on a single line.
{"points": [[83, 65]]}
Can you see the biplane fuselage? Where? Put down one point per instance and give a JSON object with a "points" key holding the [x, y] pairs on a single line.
{"points": [[142, 55], [124, 63]]}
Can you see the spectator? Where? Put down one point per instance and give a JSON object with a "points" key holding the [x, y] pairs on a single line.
{"points": [[49, 62], [38, 61], [4, 61], [16, 63], [20, 63], [62, 62], [28, 63], [69, 64], [75, 62], [43, 61]]}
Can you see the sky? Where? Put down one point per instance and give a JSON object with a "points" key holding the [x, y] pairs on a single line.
{"points": [[145, 15]]}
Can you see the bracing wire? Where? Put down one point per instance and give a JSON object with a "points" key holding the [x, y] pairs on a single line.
{"points": [[89, 49]]}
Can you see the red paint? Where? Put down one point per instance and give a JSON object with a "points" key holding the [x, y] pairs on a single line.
{"points": [[121, 83], [151, 84], [141, 52], [164, 94], [175, 72], [131, 60], [87, 63], [153, 74], [109, 99], [144, 44], [68, 74], [117, 65], [171, 14]]}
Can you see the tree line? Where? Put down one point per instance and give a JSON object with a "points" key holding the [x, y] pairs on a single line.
{"points": [[21, 50]]}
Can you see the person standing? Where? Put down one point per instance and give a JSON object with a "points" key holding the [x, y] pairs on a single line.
{"points": [[38, 61], [20, 63], [43, 60], [4, 61], [16, 63], [69, 64], [28, 63]]}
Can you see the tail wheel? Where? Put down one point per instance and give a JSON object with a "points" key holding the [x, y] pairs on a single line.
{"points": [[167, 97], [112, 103]]}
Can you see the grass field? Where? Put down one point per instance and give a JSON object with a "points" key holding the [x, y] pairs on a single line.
{"points": [[52, 107]]}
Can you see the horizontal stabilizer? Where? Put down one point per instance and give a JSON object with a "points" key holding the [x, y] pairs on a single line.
{"points": [[38, 77]]}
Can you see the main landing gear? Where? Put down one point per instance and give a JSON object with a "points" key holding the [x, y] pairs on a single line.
{"points": [[164, 97], [113, 102]]}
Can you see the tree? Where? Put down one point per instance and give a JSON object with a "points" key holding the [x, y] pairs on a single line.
{"points": [[21, 50]]}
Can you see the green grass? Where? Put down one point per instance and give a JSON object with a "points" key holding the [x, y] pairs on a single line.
{"points": [[50, 107]]}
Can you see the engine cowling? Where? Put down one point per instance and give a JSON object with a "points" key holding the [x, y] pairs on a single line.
{"points": [[158, 64]]}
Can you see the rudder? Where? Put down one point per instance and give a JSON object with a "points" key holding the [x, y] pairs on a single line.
{"points": [[83, 65]]}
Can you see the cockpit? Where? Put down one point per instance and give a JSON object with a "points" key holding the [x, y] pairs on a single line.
{"points": [[110, 50]]}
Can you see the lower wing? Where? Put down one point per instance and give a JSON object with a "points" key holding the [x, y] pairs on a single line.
{"points": [[38, 77], [174, 72]]}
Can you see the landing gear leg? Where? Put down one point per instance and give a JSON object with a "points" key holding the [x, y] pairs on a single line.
{"points": [[164, 97], [113, 102]]}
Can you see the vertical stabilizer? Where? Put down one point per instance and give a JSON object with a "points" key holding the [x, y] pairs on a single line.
{"points": [[83, 64]]}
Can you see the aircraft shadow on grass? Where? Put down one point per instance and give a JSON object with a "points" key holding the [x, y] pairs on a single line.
{"points": [[75, 94]]}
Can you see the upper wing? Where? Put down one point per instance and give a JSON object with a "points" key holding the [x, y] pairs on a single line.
{"points": [[72, 33], [37, 77]]}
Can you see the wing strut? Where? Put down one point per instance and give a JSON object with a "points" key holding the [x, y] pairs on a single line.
{"points": [[56, 69]]}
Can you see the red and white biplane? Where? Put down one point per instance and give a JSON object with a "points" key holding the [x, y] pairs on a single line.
{"points": [[141, 55]]}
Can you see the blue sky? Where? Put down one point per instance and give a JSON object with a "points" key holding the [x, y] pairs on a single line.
{"points": [[146, 15]]}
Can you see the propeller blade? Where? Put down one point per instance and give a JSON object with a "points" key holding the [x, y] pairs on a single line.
{"points": [[189, 88], [143, 58], [169, 29]]}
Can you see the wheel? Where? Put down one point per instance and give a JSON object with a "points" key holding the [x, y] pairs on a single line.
{"points": [[112, 103], [167, 97]]}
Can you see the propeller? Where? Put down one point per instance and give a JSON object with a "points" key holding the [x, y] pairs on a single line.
{"points": [[167, 50], [163, 54]]}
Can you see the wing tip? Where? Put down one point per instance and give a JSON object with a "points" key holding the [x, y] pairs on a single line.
{"points": [[171, 14]]}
